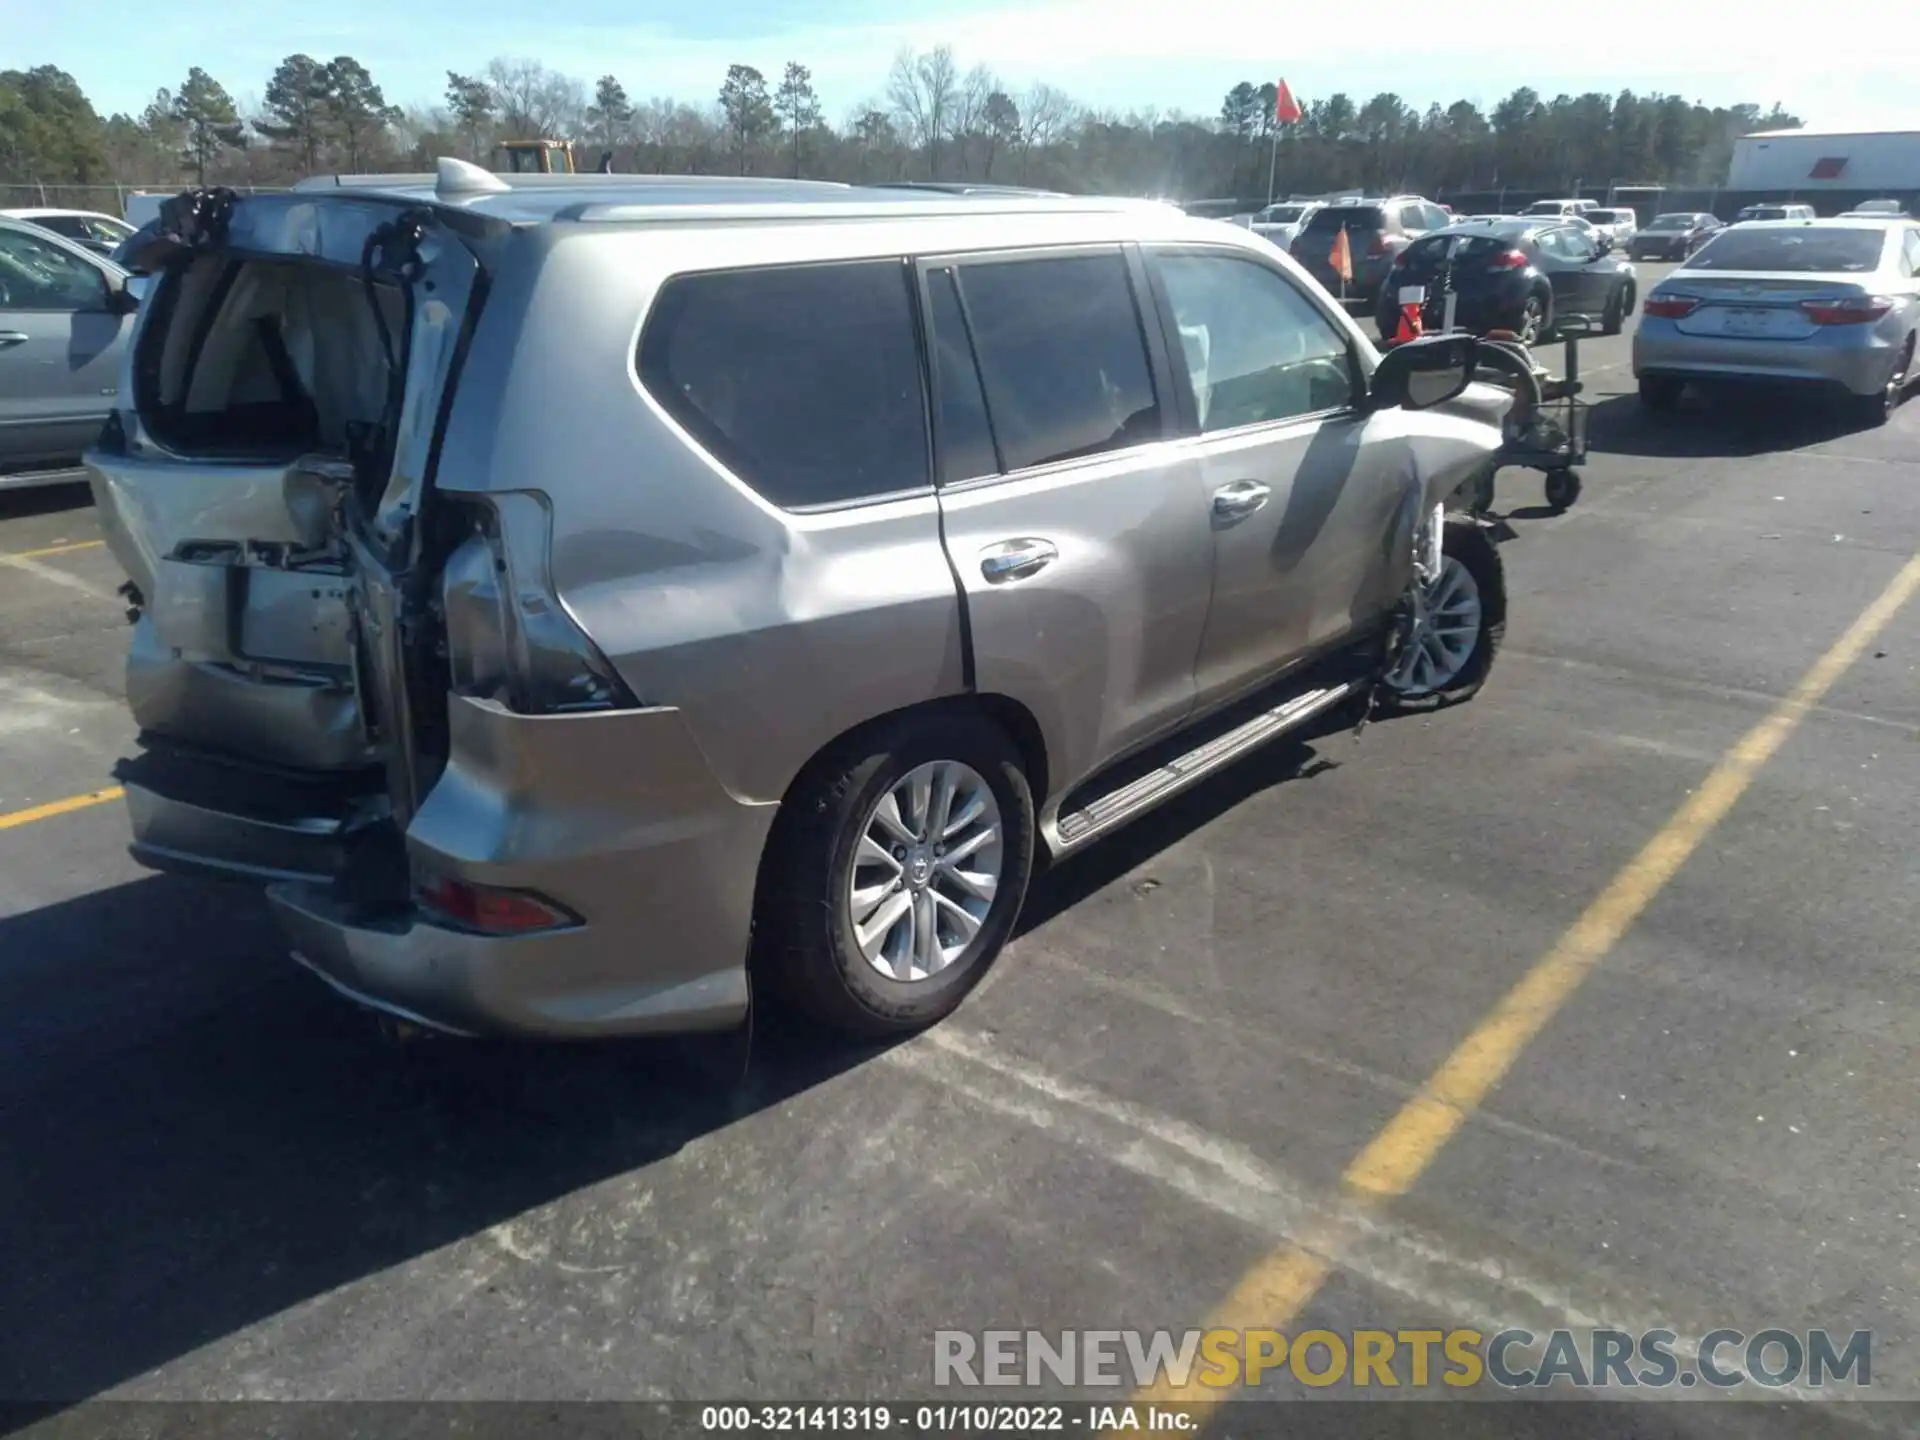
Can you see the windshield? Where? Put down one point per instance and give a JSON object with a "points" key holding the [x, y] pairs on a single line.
{"points": [[1282, 214], [1763, 212], [1545, 207], [1671, 222], [1807, 251]]}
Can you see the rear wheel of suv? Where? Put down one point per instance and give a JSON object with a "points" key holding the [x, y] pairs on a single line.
{"points": [[895, 874], [1453, 625]]}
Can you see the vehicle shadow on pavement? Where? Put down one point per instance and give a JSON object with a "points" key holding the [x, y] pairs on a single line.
{"points": [[198, 1136], [42, 499], [1295, 756], [1715, 424]]}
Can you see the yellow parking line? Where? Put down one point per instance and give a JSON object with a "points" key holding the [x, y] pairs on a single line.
{"points": [[55, 550], [1280, 1285], [60, 807]]}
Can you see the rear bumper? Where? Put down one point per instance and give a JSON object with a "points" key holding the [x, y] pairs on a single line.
{"points": [[1855, 359], [614, 816]]}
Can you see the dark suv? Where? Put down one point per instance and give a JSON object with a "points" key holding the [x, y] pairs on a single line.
{"points": [[1377, 231]]}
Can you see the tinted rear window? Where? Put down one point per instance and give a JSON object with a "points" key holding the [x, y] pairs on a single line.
{"points": [[1671, 222], [1433, 249], [804, 380], [1795, 251], [1348, 217], [1061, 355]]}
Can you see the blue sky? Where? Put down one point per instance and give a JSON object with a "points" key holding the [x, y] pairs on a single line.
{"points": [[1110, 53]]}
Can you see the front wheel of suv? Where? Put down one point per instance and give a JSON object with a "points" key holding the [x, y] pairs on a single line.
{"points": [[895, 874], [1452, 625]]}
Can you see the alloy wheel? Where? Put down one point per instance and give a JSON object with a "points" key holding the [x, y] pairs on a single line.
{"points": [[926, 870], [1532, 317], [1441, 635]]}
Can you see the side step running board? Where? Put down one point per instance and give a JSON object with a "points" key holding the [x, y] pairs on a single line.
{"points": [[1114, 808]]}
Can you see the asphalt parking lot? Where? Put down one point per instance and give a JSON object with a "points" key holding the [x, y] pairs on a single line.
{"points": [[223, 1182]]}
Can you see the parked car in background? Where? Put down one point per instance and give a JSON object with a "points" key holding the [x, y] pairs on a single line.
{"points": [[65, 313], [1377, 231], [579, 774], [142, 207], [1561, 208], [1774, 212], [1618, 223], [97, 232], [1516, 274], [1876, 209], [1827, 303], [1673, 236], [1280, 223]]}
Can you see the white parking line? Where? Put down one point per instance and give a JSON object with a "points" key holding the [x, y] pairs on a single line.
{"points": [[1490, 1291]]}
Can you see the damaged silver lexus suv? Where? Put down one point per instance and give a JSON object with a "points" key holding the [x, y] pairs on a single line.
{"points": [[571, 596]]}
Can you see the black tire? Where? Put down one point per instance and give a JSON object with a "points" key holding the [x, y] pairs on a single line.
{"points": [[1563, 490], [1466, 541], [1873, 411], [1613, 319], [803, 949], [1660, 392]]}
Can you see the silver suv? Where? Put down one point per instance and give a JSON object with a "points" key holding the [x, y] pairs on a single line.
{"points": [[573, 596]]}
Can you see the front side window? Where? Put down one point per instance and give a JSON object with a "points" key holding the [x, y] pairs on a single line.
{"points": [[1257, 350], [803, 380], [37, 276], [1061, 355]]}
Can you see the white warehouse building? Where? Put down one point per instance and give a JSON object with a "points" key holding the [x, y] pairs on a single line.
{"points": [[1812, 160]]}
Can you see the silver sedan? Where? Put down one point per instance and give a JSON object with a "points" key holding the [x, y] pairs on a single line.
{"points": [[1832, 303]]}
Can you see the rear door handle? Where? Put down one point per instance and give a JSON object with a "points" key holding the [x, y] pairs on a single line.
{"points": [[1240, 499], [1017, 559], [11, 337]]}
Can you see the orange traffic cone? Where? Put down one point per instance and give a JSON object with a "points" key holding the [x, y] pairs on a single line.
{"points": [[1412, 300]]}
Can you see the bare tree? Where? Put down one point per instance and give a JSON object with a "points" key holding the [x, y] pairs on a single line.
{"points": [[534, 102], [1046, 114], [923, 92], [970, 112]]}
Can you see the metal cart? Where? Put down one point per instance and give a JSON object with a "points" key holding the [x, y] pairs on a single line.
{"points": [[1546, 430]]}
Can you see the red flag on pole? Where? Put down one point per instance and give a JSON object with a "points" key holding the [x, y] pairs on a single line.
{"points": [[1286, 110], [1341, 257]]}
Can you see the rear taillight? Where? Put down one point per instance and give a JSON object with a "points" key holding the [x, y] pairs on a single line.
{"points": [[509, 638], [1508, 260], [1671, 307], [491, 910], [1846, 310]]}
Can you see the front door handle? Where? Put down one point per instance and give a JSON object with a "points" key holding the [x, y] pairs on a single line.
{"points": [[1240, 499], [1016, 559], [11, 337]]}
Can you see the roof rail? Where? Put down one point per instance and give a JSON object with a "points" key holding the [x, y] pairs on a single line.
{"points": [[902, 209]]}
